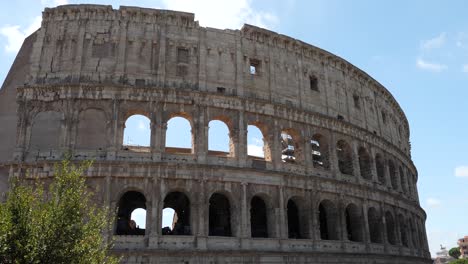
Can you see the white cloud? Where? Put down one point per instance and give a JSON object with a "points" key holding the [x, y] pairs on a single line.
{"points": [[51, 3], [430, 66], [223, 14], [15, 34], [256, 151], [465, 68], [434, 43], [433, 202], [461, 171]]}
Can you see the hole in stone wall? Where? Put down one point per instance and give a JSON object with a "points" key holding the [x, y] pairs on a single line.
{"points": [[328, 219], [313, 82], [380, 167], [129, 203], [169, 215], [294, 230], [255, 142], [288, 148], [219, 216], [403, 230], [258, 217], [179, 139], [375, 225], [254, 67], [365, 163], [354, 225], [219, 142], [345, 158], [390, 224], [180, 203], [137, 132], [356, 101], [319, 145]]}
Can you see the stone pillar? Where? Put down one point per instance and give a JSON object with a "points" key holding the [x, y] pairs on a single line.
{"points": [[200, 132], [157, 146], [365, 220], [275, 146], [245, 215], [334, 157], [373, 168], [156, 210], [343, 232], [282, 223], [356, 166], [307, 154], [314, 225], [241, 150]]}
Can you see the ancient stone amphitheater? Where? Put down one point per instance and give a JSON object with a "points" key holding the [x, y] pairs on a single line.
{"points": [[336, 183]]}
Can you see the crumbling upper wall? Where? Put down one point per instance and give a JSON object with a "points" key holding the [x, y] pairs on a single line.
{"points": [[168, 49]]}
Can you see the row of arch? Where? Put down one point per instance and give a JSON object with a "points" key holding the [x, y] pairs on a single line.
{"points": [[353, 223], [92, 133]]}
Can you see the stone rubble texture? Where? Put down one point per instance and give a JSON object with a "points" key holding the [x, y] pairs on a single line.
{"points": [[78, 78]]}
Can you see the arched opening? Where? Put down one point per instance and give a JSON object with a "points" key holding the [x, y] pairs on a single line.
{"points": [[328, 220], [365, 163], [168, 220], [255, 142], [380, 168], [294, 230], [179, 139], [219, 216], [404, 188], [390, 223], [180, 203], [375, 225], [137, 133], [354, 226], [345, 157], [393, 176], [288, 147], [128, 214], [219, 142], [320, 151], [403, 230], [258, 217]]}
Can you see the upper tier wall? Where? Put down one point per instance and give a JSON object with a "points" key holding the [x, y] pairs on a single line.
{"points": [[161, 48]]}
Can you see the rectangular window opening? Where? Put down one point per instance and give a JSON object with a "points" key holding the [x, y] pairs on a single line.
{"points": [[313, 81], [254, 67]]}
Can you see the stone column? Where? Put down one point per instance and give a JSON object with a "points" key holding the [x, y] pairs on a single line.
{"points": [[356, 166], [241, 150], [245, 215], [275, 146], [200, 132], [282, 224], [365, 220], [334, 157], [157, 146]]}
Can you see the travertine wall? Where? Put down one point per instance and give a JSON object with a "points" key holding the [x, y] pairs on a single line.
{"points": [[89, 67]]}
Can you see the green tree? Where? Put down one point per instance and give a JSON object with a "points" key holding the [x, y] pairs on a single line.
{"points": [[56, 224], [455, 252], [459, 261]]}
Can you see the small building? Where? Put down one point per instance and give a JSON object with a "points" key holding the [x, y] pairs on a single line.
{"points": [[443, 256], [463, 244]]}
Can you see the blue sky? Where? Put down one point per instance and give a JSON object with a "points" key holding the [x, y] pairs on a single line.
{"points": [[417, 49]]}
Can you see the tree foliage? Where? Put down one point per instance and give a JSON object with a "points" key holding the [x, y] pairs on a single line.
{"points": [[455, 252], [54, 224]]}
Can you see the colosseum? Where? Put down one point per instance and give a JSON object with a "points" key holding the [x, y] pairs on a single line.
{"points": [[336, 183]]}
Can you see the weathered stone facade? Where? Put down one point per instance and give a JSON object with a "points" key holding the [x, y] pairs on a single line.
{"points": [[345, 194]]}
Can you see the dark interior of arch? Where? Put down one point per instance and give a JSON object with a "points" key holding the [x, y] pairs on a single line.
{"points": [[375, 226], [345, 158], [319, 151], [391, 236], [393, 177], [403, 231], [380, 167], [365, 164], [328, 221], [219, 216], [258, 218], [354, 225], [128, 203], [180, 203], [294, 230]]}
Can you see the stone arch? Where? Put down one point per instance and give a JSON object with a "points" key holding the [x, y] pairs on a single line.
{"points": [[354, 224], [180, 203], [92, 129], [345, 157], [257, 147], [259, 226], [219, 221], [137, 131], [365, 163], [297, 218], [320, 151], [404, 187], [390, 228], [179, 134], [403, 230], [392, 174], [374, 220], [128, 202], [220, 141], [328, 220], [291, 151], [46, 130], [380, 168]]}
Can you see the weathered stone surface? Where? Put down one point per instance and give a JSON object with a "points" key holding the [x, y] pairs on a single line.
{"points": [[341, 188]]}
